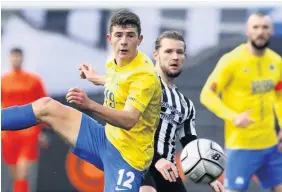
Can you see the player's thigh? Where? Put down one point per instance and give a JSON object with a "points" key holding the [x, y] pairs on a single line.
{"points": [[240, 166], [29, 153], [29, 149], [63, 119], [119, 175], [91, 142], [11, 148], [270, 175], [277, 188], [148, 183]]}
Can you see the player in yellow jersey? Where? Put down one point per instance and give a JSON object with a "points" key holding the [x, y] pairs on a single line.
{"points": [[124, 148], [249, 81]]}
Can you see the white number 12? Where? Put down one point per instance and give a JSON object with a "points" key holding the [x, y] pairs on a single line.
{"points": [[130, 175]]}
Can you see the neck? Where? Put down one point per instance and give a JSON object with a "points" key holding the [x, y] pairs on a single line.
{"points": [[255, 51], [124, 62], [165, 78], [16, 69]]}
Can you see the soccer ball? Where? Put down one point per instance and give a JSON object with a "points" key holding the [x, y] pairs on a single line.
{"points": [[202, 161]]}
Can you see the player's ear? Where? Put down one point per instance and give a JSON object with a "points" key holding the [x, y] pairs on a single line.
{"points": [[140, 38], [156, 55], [108, 36]]}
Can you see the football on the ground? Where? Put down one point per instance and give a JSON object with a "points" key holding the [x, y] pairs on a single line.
{"points": [[202, 161]]}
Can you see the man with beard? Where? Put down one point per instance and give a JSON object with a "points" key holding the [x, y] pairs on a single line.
{"points": [[177, 118], [249, 79]]}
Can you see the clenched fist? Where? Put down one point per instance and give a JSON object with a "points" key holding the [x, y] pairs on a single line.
{"points": [[79, 97]]}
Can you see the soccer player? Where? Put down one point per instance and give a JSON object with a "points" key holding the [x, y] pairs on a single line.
{"points": [[177, 118], [123, 149], [249, 81], [20, 148]]}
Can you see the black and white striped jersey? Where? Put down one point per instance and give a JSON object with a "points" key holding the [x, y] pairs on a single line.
{"points": [[177, 121]]}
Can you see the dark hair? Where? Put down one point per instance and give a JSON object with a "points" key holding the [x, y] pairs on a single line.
{"points": [[17, 51], [125, 18], [169, 35]]}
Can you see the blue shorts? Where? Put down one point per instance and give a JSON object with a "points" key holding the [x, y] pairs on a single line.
{"points": [[93, 146], [241, 165]]}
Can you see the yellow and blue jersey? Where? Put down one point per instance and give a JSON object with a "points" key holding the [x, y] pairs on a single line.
{"points": [[137, 84], [246, 82]]}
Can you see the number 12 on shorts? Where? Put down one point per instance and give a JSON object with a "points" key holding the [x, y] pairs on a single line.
{"points": [[125, 180]]}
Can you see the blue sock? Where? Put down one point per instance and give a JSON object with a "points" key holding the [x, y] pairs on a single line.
{"points": [[18, 117]]}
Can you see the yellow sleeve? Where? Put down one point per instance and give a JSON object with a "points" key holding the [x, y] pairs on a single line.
{"points": [[217, 81], [141, 91], [278, 101]]}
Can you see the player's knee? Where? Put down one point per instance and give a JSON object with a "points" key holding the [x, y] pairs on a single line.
{"points": [[277, 188], [22, 169], [44, 107], [147, 189]]}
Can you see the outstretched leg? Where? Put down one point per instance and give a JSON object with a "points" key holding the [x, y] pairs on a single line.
{"points": [[84, 134], [62, 119]]}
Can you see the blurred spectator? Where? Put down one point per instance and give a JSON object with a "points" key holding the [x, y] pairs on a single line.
{"points": [[20, 148]]}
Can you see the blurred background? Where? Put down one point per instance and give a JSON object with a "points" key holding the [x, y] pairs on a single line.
{"points": [[55, 42]]}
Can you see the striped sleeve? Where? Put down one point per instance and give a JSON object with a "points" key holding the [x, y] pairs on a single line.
{"points": [[188, 131]]}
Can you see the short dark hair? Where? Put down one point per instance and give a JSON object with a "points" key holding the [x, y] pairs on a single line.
{"points": [[169, 35], [125, 18], [17, 51]]}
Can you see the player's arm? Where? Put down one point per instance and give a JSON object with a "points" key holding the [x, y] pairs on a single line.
{"points": [[40, 89], [187, 132], [125, 119], [278, 101], [2, 95], [89, 73], [141, 92], [278, 107], [217, 81], [98, 80]]}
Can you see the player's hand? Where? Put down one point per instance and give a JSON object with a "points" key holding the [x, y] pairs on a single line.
{"points": [[167, 169], [280, 141], [89, 73], [243, 120], [217, 186], [79, 97]]}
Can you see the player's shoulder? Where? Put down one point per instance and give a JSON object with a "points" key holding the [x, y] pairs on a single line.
{"points": [[189, 102], [274, 56], [232, 57], [143, 61], [235, 53], [5, 76], [144, 66], [109, 63], [185, 101], [32, 75]]}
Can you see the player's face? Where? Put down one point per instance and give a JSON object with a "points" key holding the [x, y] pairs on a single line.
{"points": [[170, 57], [259, 31], [16, 61], [124, 41]]}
